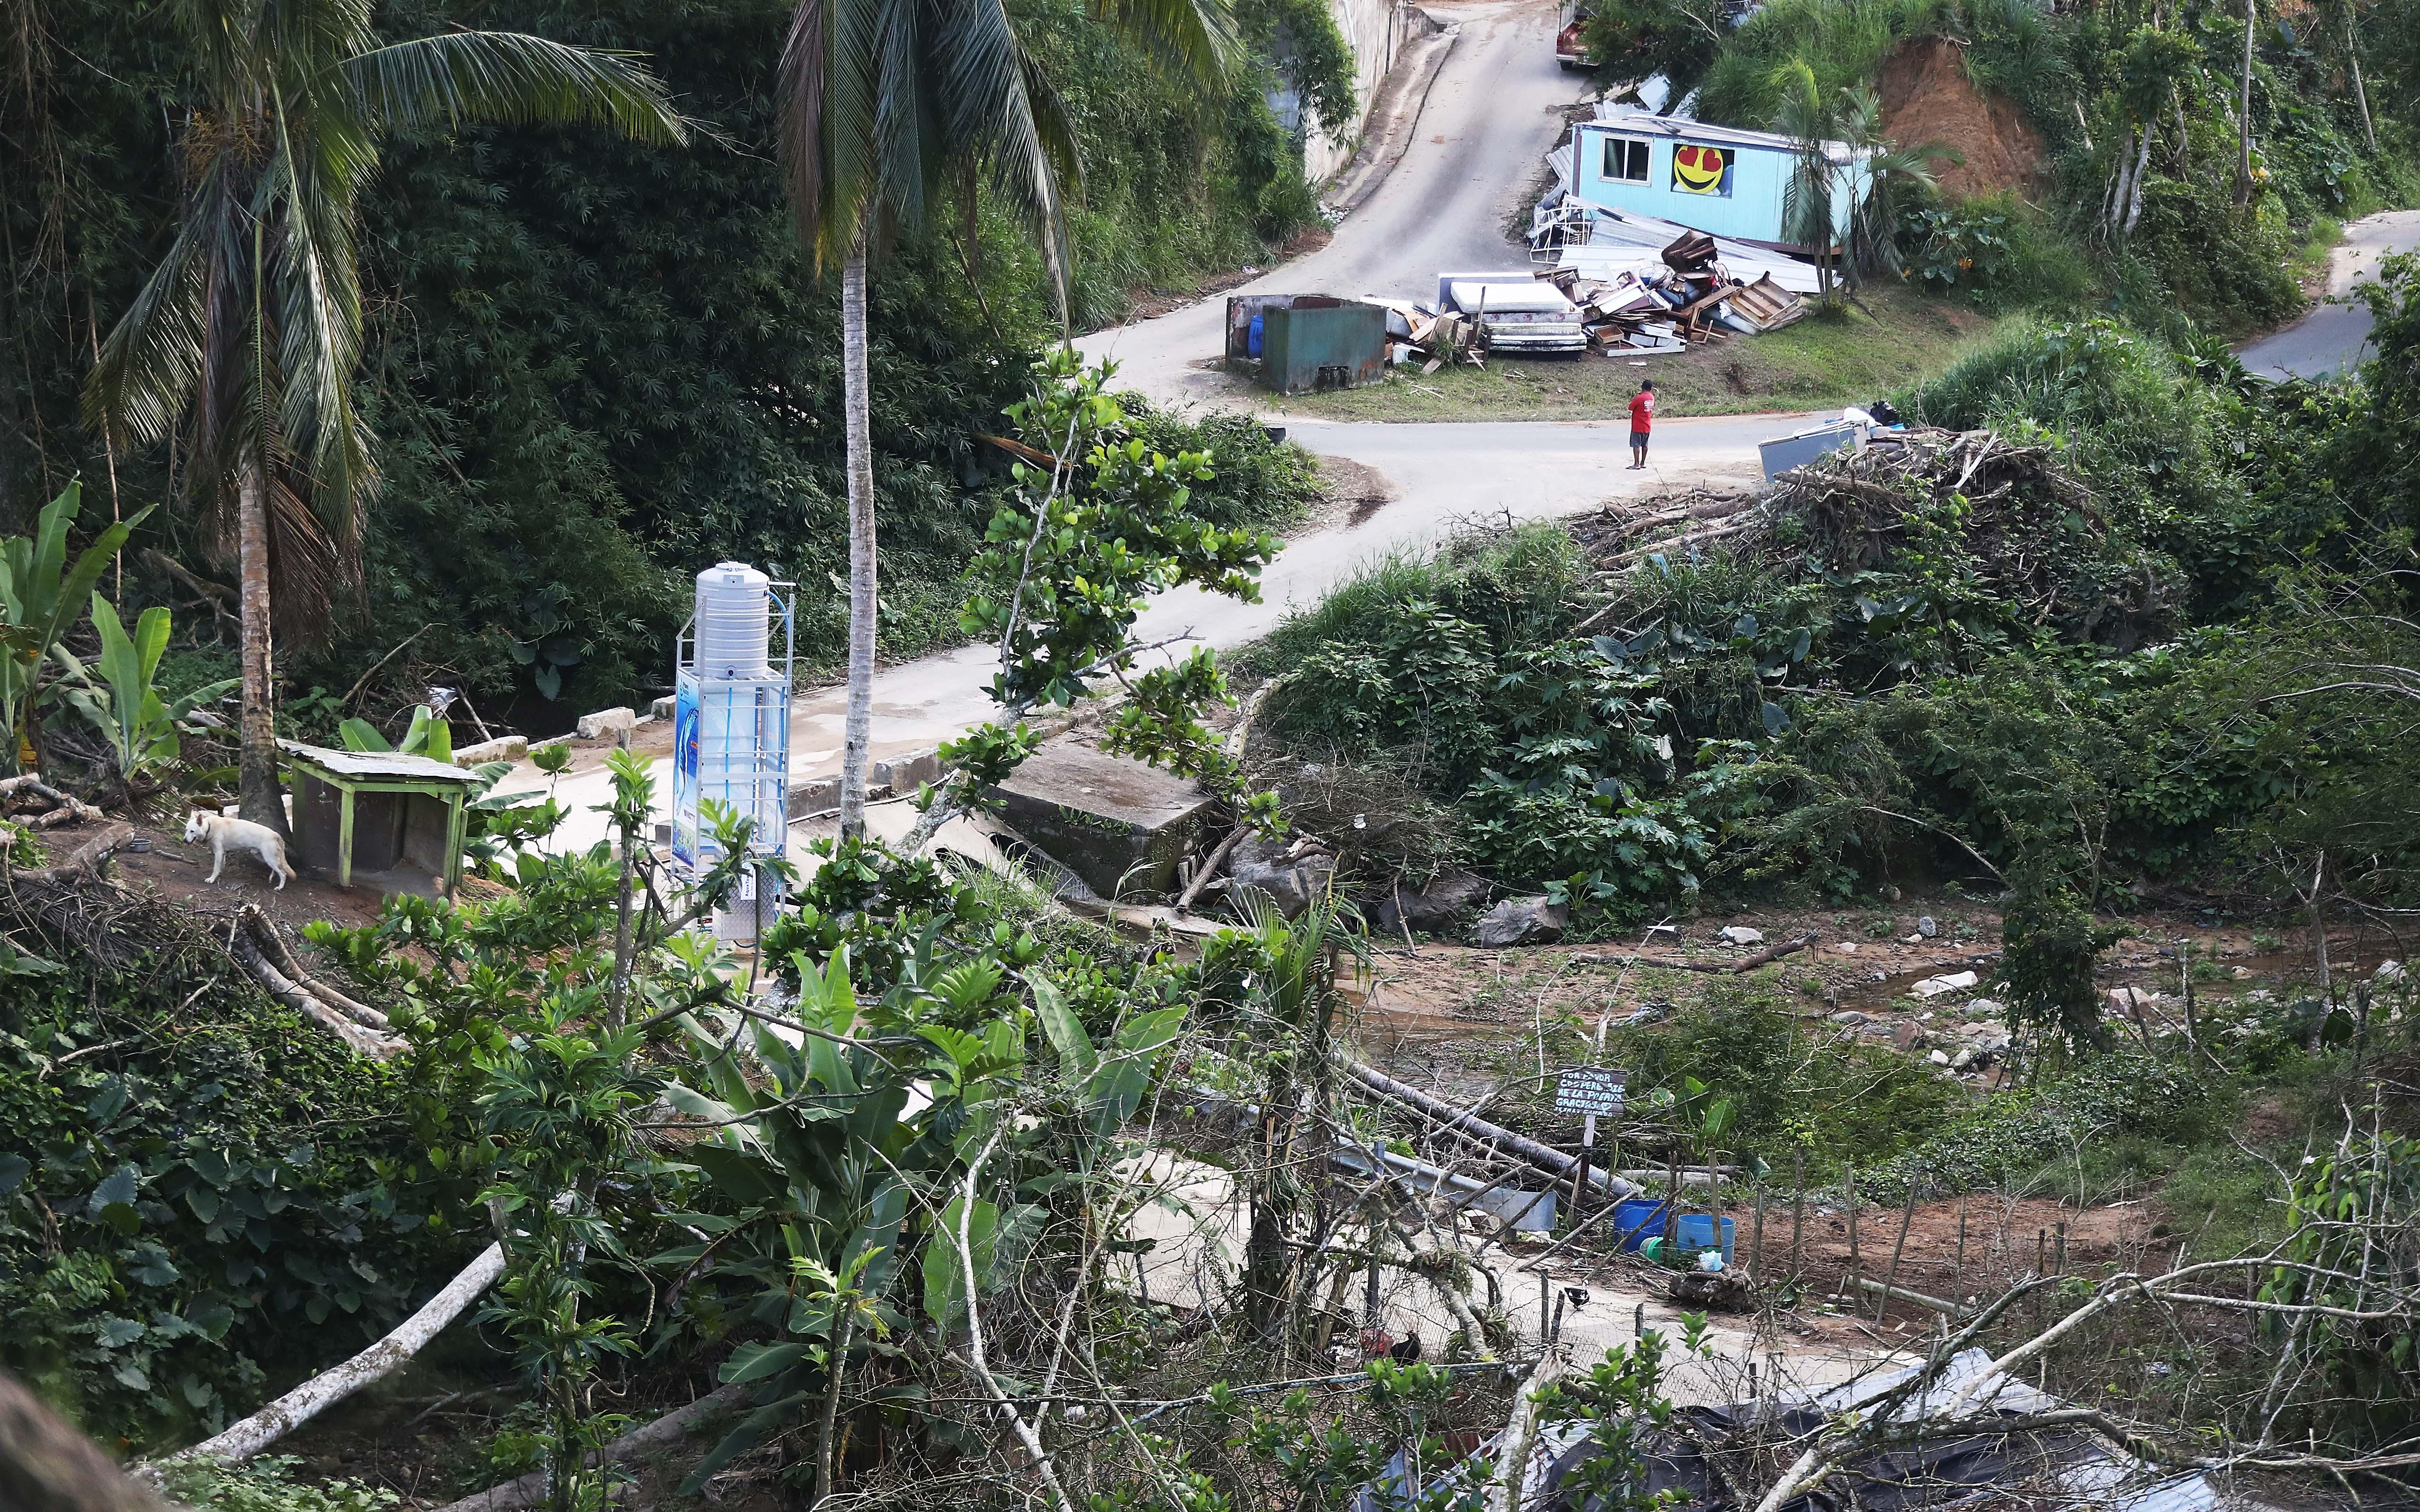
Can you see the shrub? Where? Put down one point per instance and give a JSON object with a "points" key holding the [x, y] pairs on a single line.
{"points": [[264, 1485], [212, 1193], [2015, 1134], [1823, 1093]]}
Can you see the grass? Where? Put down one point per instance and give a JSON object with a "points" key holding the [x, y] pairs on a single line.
{"points": [[1849, 356]]}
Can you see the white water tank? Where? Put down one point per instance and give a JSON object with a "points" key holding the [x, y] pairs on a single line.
{"points": [[734, 625]]}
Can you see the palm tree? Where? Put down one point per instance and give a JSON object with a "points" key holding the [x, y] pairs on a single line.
{"points": [[886, 106], [242, 345], [1834, 138]]}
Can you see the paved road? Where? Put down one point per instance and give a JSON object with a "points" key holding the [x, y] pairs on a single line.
{"points": [[2335, 336], [1494, 112], [1442, 476]]}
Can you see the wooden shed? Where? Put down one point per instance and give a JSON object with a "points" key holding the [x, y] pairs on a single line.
{"points": [[388, 821]]}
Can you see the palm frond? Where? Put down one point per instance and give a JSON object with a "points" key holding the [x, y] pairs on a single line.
{"points": [[153, 360], [800, 86], [1020, 133], [509, 79], [314, 283], [1193, 39]]}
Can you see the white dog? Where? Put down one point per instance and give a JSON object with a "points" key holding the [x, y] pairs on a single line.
{"points": [[238, 834]]}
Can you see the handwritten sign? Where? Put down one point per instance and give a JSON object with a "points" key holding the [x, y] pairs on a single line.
{"points": [[1594, 1090]]}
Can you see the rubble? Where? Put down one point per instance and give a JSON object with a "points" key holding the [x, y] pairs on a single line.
{"points": [[1691, 300], [1687, 295]]}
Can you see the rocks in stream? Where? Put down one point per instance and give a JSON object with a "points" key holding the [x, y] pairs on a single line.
{"points": [[1520, 921], [1432, 909]]}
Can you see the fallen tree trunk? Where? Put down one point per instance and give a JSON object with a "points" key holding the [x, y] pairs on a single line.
{"points": [[88, 862], [304, 1402], [66, 807], [1947, 1309], [273, 945], [1765, 957], [665, 1431], [1545, 1155], [246, 952]]}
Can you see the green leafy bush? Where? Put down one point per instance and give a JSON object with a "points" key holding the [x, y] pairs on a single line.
{"points": [[201, 1192], [264, 1485], [2011, 1137], [1819, 1092]]}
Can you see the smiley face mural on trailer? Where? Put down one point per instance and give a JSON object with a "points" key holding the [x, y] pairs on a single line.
{"points": [[1702, 170]]}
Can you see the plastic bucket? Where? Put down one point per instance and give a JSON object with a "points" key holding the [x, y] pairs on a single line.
{"points": [[1252, 339], [1694, 1233], [1636, 1219]]}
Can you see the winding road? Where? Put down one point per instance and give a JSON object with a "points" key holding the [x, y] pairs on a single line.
{"points": [[2335, 336], [1476, 135], [1493, 111]]}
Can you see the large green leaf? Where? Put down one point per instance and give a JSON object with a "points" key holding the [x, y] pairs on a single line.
{"points": [[1064, 1029], [1116, 1086], [945, 1285]]}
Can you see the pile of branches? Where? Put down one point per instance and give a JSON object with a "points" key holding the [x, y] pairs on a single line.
{"points": [[74, 910], [2033, 529], [1856, 505], [34, 804]]}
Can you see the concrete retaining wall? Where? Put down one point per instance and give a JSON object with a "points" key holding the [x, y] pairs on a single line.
{"points": [[1376, 31]]}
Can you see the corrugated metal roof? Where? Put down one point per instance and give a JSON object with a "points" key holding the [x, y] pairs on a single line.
{"points": [[379, 764], [1634, 123]]}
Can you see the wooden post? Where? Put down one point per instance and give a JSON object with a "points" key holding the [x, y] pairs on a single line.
{"points": [[1756, 1236], [1856, 1264], [1958, 1266], [1890, 1277], [1797, 1212], [2059, 1244], [1580, 1172]]}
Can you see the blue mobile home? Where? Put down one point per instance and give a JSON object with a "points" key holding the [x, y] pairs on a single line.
{"points": [[1718, 179]]}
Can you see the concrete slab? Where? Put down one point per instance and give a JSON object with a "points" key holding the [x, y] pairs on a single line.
{"points": [[1120, 825]]}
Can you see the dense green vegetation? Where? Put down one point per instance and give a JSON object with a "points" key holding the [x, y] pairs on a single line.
{"points": [[593, 368], [2062, 675], [203, 1195], [2137, 105]]}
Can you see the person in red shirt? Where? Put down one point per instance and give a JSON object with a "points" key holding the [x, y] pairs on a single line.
{"points": [[1642, 420]]}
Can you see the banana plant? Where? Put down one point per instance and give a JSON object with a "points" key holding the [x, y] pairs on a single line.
{"points": [[817, 1146], [124, 705], [40, 594], [428, 735], [846, 1146]]}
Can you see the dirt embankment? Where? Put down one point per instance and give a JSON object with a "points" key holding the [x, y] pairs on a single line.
{"points": [[1927, 97]]}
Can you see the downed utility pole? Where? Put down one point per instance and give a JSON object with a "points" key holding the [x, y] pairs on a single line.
{"points": [[1543, 1156]]}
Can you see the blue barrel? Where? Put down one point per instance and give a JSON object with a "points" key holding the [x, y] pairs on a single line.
{"points": [[1636, 1219], [1696, 1232], [1253, 337]]}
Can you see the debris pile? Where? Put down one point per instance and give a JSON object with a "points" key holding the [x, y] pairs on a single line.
{"points": [[1691, 301], [1420, 334], [2032, 528]]}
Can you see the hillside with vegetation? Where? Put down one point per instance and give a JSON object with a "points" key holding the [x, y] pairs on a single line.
{"points": [[2116, 159], [1889, 987], [589, 366]]}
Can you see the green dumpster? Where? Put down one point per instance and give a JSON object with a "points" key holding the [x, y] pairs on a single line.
{"points": [[1315, 342]]}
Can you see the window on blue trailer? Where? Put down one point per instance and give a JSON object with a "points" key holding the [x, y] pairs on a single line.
{"points": [[1625, 159]]}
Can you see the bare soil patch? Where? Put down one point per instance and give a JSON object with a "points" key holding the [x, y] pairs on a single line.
{"points": [[1927, 97]]}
